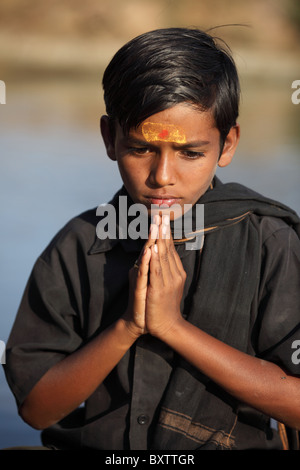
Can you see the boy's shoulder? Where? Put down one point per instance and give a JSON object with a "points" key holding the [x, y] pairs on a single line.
{"points": [[231, 200], [79, 231], [275, 229]]}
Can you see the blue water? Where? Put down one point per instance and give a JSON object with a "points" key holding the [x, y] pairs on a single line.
{"points": [[54, 167]]}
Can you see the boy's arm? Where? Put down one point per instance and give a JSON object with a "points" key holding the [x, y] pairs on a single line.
{"points": [[261, 384], [72, 380]]}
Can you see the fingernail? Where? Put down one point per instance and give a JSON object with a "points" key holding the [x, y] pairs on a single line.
{"points": [[156, 219], [166, 219], [155, 249], [153, 231]]}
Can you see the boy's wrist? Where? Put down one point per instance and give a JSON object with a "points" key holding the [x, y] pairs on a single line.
{"points": [[129, 329], [168, 335]]}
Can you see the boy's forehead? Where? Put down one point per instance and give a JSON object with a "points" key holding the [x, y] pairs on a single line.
{"points": [[163, 132], [179, 124]]}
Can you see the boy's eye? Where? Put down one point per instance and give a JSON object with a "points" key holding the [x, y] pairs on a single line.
{"points": [[187, 154], [139, 150], [190, 155]]}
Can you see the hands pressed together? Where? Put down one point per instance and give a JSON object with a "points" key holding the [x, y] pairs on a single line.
{"points": [[156, 283]]}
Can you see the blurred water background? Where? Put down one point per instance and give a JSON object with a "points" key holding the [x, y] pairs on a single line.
{"points": [[53, 164]]}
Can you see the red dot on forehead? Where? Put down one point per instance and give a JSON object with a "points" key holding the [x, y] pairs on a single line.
{"points": [[163, 134]]}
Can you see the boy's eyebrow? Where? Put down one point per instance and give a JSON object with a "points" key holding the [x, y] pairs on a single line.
{"points": [[193, 144], [134, 141]]}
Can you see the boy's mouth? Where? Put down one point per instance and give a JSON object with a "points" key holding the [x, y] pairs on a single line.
{"points": [[165, 200]]}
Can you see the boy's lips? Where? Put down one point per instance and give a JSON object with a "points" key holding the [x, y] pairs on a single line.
{"points": [[167, 199]]}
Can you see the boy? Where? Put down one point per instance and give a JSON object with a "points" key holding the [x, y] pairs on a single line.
{"points": [[168, 348]]}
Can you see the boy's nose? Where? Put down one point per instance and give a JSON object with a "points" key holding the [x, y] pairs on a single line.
{"points": [[163, 170]]}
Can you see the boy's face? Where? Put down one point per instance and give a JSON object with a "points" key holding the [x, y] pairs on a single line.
{"points": [[171, 158]]}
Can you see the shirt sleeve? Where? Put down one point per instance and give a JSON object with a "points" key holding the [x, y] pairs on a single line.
{"points": [[47, 327], [278, 318]]}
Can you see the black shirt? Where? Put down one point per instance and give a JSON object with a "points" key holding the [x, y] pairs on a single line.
{"points": [[79, 286]]}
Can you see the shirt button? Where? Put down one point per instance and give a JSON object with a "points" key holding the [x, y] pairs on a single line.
{"points": [[143, 419]]}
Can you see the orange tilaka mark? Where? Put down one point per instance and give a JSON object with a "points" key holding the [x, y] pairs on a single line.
{"points": [[163, 134], [155, 131]]}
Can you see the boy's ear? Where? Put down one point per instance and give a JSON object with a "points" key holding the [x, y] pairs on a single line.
{"points": [[107, 137], [230, 145]]}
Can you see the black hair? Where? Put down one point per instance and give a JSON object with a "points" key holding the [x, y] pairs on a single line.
{"points": [[165, 67]]}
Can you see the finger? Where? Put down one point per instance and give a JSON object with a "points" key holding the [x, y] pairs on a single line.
{"points": [[154, 229], [163, 249], [174, 259], [143, 269], [156, 277], [153, 234], [175, 263]]}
